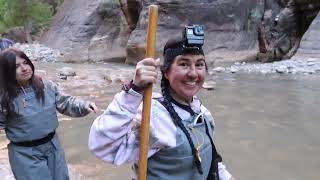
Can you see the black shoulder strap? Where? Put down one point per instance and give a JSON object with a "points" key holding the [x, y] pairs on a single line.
{"points": [[216, 158]]}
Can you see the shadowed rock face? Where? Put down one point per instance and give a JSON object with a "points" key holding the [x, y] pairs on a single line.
{"points": [[230, 25], [309, 46], [97, 30], [115, 30], [279, 37]]}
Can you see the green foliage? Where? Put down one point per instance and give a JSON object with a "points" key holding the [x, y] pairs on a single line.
{"points": [[15, 13]]}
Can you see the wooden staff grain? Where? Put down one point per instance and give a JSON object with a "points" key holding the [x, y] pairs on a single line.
{"points": [[145, 123]]}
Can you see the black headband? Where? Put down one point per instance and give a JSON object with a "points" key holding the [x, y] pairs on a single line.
{"points": [[170, 53]]}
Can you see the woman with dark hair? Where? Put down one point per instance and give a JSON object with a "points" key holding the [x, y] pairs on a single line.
{"points": [[181, 140], [28, 116]]}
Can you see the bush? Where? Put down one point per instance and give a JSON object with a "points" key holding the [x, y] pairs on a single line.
{"points": [[35, 13]]}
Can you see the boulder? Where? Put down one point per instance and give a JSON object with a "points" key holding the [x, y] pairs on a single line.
{"points": [[309, 46], [88, 31]]}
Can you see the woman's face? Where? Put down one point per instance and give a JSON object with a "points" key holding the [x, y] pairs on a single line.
{"points": [[23, 71], [186, 76]]}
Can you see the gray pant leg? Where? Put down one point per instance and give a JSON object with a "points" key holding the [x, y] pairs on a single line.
{"points": [[57, 163], [26, 166], [46, 161]]}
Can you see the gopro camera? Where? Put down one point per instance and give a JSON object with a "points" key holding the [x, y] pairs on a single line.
{"points": [[194, 35]]}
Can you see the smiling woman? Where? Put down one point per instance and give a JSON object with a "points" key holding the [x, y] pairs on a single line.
{"points": [[181, 140]]}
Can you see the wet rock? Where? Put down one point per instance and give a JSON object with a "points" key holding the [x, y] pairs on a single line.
{"points": [[63, 77], [233, 69], [219, 69], [281, 69], [67, 71], [310, 63], [115, 78], [209, 85]]}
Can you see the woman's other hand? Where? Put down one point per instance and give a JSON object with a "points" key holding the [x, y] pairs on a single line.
{"points": [[146, 72]]}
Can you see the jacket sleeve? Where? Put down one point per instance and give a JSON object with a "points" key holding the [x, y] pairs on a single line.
{"points": [[114, 135], [223, 173], [69, 105]]}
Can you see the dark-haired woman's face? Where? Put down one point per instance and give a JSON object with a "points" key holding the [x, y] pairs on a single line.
{"points": [[23, 71], [186, 76]]}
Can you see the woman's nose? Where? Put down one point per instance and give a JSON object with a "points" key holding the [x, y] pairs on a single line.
{"points": [[23, 67], [192, 71]]}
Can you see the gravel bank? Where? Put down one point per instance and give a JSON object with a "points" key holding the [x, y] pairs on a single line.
{"points": [[306, 66]]}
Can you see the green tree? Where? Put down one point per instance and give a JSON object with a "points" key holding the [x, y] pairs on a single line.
{"points": [[26, 13]]}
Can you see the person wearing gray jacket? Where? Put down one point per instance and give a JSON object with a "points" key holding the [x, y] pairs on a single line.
{"points": [[28, 116]]}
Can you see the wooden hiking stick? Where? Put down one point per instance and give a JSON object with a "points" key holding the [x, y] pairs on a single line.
{"points": [[145, 122]]}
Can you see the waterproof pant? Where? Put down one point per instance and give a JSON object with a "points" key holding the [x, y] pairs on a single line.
{"points": [[41, 162]]}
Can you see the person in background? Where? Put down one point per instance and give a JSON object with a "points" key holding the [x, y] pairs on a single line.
{"points": [[5, 43], [28, 116], [181, 143]]}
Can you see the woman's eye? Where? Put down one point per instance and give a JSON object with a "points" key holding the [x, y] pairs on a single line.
{"points": [[183, 64], [200, 64]]}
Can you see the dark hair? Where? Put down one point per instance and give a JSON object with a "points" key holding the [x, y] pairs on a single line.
{"points": [[9, 87], [165, 89]]}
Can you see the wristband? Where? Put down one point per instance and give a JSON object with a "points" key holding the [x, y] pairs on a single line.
{"points": [[127, 86]]}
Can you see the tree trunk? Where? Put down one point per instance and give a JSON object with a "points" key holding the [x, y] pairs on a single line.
{"points": [[26, 26], [27, 32]]}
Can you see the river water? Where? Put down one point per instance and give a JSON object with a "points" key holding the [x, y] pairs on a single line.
{"points": [[266, 125]]}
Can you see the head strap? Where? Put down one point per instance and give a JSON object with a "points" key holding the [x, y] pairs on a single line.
{"points": [[170, 53]]}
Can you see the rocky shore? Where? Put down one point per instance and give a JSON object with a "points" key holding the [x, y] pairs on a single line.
{"points": [[303, 66]]}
